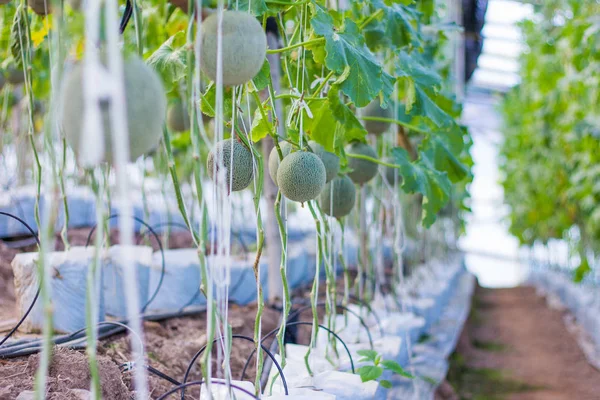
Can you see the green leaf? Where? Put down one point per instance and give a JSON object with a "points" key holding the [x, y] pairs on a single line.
{"points": [[444, 159], [18, 34], [345, 47], [261, 127], [169, 61], [368, 355], [331, 116], [396, 368], [208, 98], [254, 7], [421, 177], [385, 383], [263, 78], [401, 24], [369, 373]]}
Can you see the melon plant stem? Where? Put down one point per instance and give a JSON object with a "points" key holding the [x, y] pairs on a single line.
{"points": [[43, 271], [260, 240], [25, 47], [283, 272], [176, 185], [199, 239], [93, 291], [63, 193], [342, 259], [314, 295], [330, 288]]}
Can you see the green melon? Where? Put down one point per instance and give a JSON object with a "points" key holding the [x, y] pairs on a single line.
{"points": [[286, 148], [338, 197], [330, 160], [15, 76], [374, 109], [244, 47], [145, 103], [362, 170], [242, 172], [301, 176], [178, 118], [389, 172]]}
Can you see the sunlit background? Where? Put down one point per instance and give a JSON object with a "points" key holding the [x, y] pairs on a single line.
{"points": [[492, 253]]}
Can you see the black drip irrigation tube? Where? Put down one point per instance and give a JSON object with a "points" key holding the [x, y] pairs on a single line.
{"points": [[299, 311], [199, 383], [297, 323], [160, 247], [37, 293], [243, 337]]}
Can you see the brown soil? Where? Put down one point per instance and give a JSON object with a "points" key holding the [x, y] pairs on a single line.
{"points": [[169, 344], [169, 347], [513, 333]]}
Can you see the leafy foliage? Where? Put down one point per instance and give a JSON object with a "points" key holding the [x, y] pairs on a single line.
{"points": [[551, 151]]}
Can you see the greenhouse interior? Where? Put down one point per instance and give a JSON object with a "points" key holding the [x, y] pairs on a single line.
{"points": [[303, 199]]}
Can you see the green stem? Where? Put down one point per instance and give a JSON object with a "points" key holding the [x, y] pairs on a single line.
{"points": [[284, 280], [322, 85], [295, 46], [397, 122], [61, 176], [92, 293], [314, 295], [375, 160], [370, 18]]}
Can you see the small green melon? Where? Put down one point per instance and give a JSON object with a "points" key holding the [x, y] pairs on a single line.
{"points": [[338, 197], [145, 103], [244, 47], [242, 172], [374, 109], [389, 172], [330, 160], [286, 148], [301, 176], [178, 118], [362, 170]]}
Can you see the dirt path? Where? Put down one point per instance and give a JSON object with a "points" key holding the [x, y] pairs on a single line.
{"points": [[515, 347]]}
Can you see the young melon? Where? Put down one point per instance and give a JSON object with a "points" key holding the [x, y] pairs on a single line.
{"points": [[178, 118], [241, 175], [338, 196], [301, 176], [374, 109], [330, 160], [15, 76], [145, 104], [389, 172], [286, 149], [362, 170], [244, 47]]}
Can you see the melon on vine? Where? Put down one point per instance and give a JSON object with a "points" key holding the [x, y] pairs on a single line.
{"points": [[338, 197], [330, 160], [362, 170], [301, 176], [286, 148], [374, 109], [178, 118], [237, 161], [243, 50], [145, 109]]}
